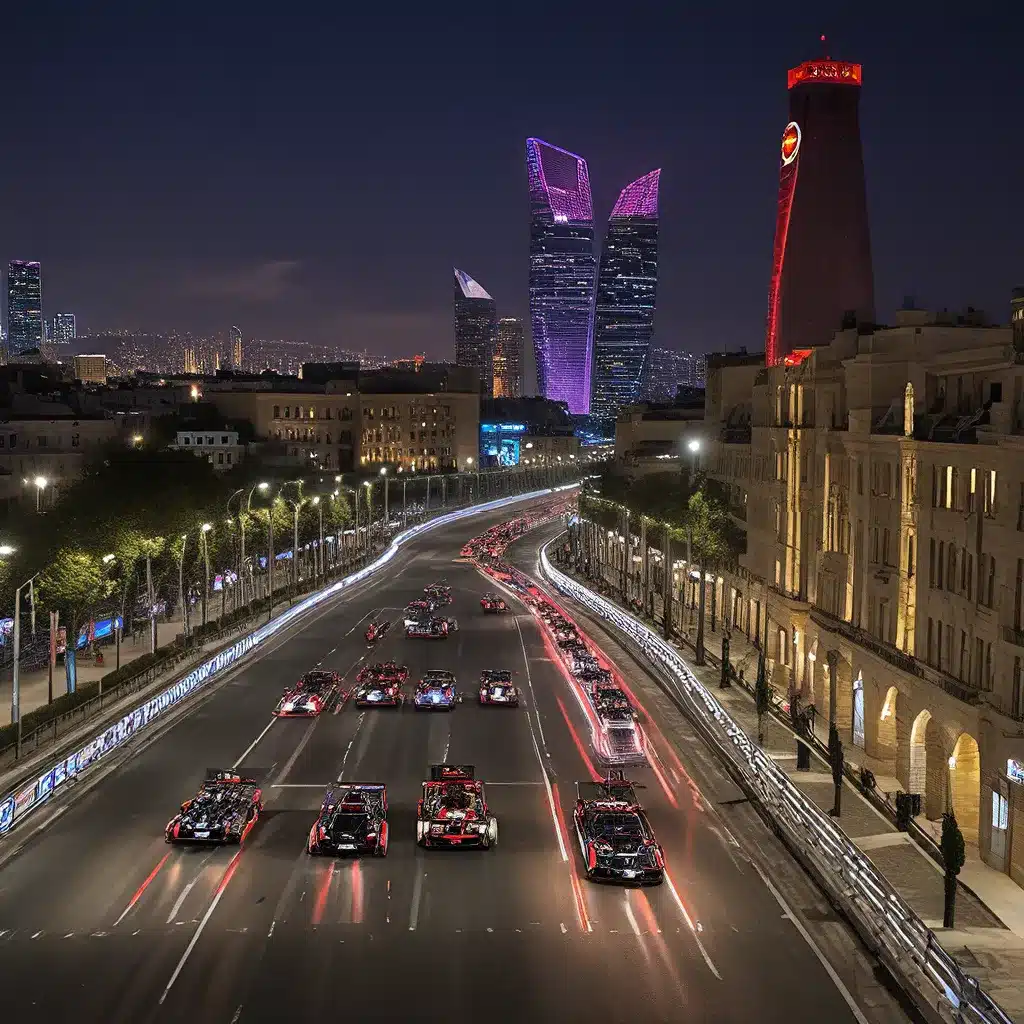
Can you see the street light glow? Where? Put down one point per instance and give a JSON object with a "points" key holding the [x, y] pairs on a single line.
{"points": [[108, 559], [6, 549], [40, 482], [316, 500], [383, 470], [262, 485], [207, 527], [694, 445]]}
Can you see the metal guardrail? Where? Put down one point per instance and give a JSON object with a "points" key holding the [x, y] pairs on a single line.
{"points": [[34, 792], [885, 922]]}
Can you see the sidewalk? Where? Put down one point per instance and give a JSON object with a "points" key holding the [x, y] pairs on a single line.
{"points": [[988, 941]]}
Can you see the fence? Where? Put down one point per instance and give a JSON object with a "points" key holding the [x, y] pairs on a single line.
{"points": [[885, 922]]}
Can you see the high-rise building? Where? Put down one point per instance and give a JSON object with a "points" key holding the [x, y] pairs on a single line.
{"points": [[627, 286], [236, 348], [91, 369], [508, 358], [561, 273], [24, 306], [62, 328], [670, 371], [821, 268], [476, 328]]}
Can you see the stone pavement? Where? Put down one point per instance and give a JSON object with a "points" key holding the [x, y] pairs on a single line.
{"points": [[988, 940]]}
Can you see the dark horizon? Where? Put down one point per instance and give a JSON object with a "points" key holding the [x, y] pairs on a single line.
{"points": [[317, 178]]}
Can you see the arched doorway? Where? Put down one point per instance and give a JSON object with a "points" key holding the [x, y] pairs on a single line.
{"points": [[858, 711], [917, 780], [965, 785], [887, 727]]}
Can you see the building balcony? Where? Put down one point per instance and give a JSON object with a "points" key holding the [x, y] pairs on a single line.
{"points": [[1013, 636]]}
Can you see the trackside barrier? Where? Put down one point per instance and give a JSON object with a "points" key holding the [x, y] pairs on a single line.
{"points": [[886, 923], [16, 806]]}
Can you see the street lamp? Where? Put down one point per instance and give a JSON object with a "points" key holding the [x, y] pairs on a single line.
{"points": [[243, 510], [203, 531], [368, 484], [469, 463], [384, 474], [41, 483], [320, 557], [16, 679], [181, 586]]}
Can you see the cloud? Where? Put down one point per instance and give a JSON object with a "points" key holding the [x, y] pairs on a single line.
{"points": [[264, 282]]}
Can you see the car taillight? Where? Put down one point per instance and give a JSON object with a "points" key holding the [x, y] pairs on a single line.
{"points": [[323, 832]]}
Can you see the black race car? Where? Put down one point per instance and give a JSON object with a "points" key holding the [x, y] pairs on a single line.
{"points": [[416, 611], [435, 627], [493, 604], [353, 819], [377, 630], [453, 811], [439, 593], [615, 837], [496, 688], [378, 691], [316, 691], [436, 692], [223, 811]]}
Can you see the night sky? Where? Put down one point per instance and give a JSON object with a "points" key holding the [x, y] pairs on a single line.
{"points": [[317, 177]]}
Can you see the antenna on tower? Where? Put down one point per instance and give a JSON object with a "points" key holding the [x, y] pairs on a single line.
{"points": [[824, 48]]}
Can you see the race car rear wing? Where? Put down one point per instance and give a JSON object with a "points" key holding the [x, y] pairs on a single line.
{"points": [[223, 775], [452, 772]]}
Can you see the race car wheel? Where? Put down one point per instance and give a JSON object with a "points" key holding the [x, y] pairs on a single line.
{"points": [[381, 849], [492, 832]]}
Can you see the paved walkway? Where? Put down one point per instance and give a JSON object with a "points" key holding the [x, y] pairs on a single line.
{"points": [[988, 940]]}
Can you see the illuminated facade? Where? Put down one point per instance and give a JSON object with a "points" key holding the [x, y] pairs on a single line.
{"points": [[508, 358], [476, 328], [627, 286], [24, 306], [562, 268], [821, 266]]}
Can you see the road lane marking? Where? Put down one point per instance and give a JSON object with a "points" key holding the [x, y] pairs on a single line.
{"points": [[252, 746], [290, 763], [142, 888], [238, 1013], [417, 894], [561, 924], [51, 819], [188, 888], [533, 695], [693, 928], [36, 935], [808, 938], [202, 924], [630, 916], [348, 749]]}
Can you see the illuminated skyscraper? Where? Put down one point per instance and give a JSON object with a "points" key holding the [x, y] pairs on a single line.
{"points": [[62, 328], [508, 359], [821, 267], [627, 286], [236, 348], [24, 306], [561, 273], [476, 328]]}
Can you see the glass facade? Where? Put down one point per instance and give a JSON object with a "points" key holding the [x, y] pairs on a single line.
{"points": [[24, 306], [562, 269], [627, 287], [508, 358], [476, 328]]}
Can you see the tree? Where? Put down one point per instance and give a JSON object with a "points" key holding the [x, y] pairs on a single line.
{"points": [[712, 541], [73, 585], [953, 857], [837, 762]]}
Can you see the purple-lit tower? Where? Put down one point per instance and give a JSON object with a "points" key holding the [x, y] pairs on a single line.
{"points": [[627, 288], [561, 273]]}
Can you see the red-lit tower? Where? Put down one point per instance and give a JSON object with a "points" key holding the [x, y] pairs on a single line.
{"points": [[821, 270]]}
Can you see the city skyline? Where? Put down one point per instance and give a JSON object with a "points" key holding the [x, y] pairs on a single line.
{"points": [[475, 328], [627, 288], [24, 305]]}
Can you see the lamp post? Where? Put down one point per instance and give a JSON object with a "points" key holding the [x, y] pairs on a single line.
{"points": [[16, 680], [405, 512], [384, 476], [469, 464], [108, 560], [368, 484], [243, 511], [318, 558], [40, 483], [181, 586], [694, 448], [203, 531]]}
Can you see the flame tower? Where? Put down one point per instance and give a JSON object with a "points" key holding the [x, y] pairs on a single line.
{"points": [[627, 286], [561, 273], [821, 267]]}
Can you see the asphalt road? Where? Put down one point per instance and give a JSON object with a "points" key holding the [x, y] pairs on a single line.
{"points": [[100, 920]]}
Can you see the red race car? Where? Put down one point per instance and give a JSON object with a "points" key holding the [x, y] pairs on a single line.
{"points": [[377, 630], [453, 810], [496, 688], [383, 671], [316, 691], [493, 604]]}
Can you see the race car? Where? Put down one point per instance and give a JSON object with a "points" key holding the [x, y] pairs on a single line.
{"points": [[416, 610], [353, 819], [493, 604], [432, 628], [439, 593], [383, 671], [374, 692], [598, 680], [377, 630], [496, 688], [453, 810], [436, 691], [615, 837], [313, 693], [223, 811], [610, 699]]}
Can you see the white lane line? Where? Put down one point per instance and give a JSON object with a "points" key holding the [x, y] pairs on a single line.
{"points": [[533, 695], [417, 895], [693, 928], [271, 932], [238, 1013], [37, 934], [630, 917], [290, 763], [540, 760], [561, 924], [252, 746], [348, 749], [51, 819], [222, 888], [181, 899], [829, 969]]}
